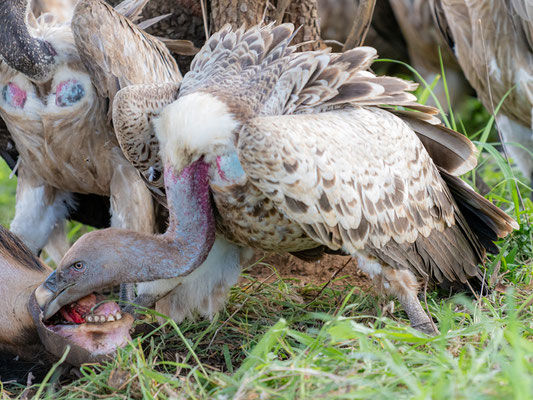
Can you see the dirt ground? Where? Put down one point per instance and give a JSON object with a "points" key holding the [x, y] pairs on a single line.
{"points": [[328, 268]]}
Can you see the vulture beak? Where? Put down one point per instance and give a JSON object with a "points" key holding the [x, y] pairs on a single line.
{"points": [[47, 296], [33, 57]]}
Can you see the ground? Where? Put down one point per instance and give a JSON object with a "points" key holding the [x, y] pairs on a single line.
{"points": [[318, 330]]}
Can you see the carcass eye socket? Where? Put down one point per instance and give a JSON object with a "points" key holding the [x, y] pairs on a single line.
{"points": [[13, 95], [69, 93], [78, 266]]}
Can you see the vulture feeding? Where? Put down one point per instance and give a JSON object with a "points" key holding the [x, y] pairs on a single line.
{"points": [[58, 120], [297, 152]]}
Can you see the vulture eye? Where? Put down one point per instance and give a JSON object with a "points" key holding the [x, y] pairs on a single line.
{"points": [[78, 266], [69, 93], [13, 95]]}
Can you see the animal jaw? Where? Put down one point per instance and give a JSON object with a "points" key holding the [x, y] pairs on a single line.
{"points": [[21, 318]]}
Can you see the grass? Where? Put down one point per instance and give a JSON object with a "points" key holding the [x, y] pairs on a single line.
{"points": [[276, 340]]}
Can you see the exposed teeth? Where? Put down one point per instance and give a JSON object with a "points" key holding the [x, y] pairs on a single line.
{"points": [[101, 318]]}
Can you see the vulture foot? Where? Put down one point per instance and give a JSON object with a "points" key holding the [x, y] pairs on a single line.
{"points": [[418, 317]]}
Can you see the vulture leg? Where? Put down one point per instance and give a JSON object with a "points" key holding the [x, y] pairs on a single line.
{"points": [[131, 208], [38, 211], [402, 284]]}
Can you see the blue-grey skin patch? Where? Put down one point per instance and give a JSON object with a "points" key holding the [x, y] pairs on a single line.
{"points": [[69, 93], [4, 93], [229, 167]]}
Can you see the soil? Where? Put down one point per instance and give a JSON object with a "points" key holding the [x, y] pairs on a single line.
{"points": [[318, 272]]}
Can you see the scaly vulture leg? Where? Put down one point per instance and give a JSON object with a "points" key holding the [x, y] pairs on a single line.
{"points": [[402, 284]]}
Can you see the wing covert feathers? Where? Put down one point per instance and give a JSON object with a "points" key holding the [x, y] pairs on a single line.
{"points": [[346, 184], [352, 188], [133, 109], [116, 53]]}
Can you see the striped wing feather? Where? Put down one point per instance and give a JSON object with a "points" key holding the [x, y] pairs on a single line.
{"points": [[133, 110]]}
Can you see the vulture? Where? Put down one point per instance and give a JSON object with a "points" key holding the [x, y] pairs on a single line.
{"points": [[294, 152], [402, 30], [493, 42], [59, 120]]}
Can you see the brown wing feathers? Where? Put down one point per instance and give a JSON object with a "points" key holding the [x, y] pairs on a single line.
{"points": [[487, 221]]}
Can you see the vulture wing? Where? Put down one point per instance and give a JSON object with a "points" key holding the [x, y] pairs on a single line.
{"points": [[351, 187], [116, 52]]}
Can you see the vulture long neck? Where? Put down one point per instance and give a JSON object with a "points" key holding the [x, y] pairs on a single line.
{"points": [[22, 52], [186, 243]]}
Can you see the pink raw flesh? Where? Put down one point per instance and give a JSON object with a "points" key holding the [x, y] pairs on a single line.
{"points": [[98, 338]]}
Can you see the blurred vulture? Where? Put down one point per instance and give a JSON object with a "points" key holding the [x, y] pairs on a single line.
{"points": [[292, 152], [401, 30], [493, 41], [59, 120]]}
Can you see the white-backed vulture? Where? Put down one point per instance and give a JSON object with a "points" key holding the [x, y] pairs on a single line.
{"points": [[291, 152]]}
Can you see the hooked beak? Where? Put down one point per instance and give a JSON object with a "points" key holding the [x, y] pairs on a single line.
{"points": [[49, 298]]}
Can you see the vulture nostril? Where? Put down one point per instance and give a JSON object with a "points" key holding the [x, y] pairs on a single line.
{"points": [[51, 282]]}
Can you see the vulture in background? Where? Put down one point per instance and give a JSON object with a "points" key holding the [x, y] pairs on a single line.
{"points": [[59, 122], [493, 42], [401, 30], [293, 152]]}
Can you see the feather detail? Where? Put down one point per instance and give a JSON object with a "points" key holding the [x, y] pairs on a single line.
{"points": [[116, 53], [449, 150], [133, 110]]}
